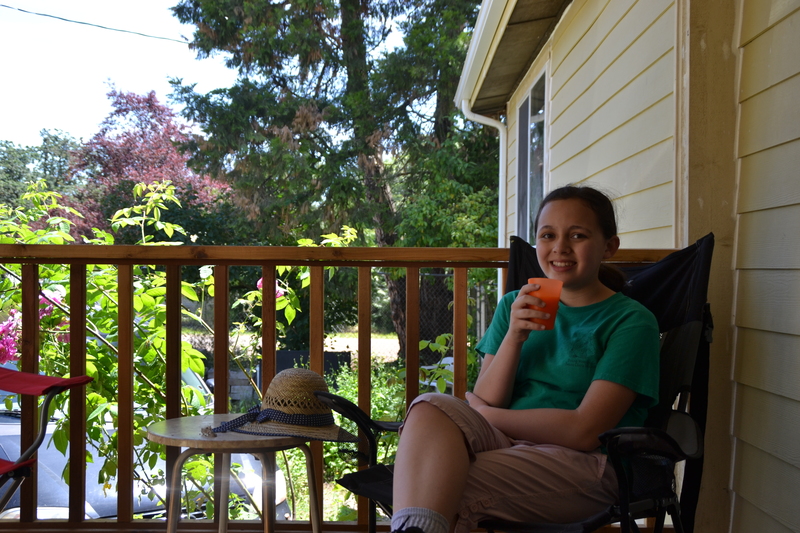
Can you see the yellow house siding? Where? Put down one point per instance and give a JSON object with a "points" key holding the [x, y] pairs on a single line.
{"points": [[766, 482], [600, 51], [649, 168], [771, 117], [769, 300], [770, 59], [649, 128], [647, 89], [766, 467], [769, 361], [582, 15], [653, 45], [770, 249], [748, 518], [769, 422], [612, 110], [769, 178], [759, 15]]}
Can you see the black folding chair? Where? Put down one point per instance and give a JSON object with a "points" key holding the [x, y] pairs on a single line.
{"points": [[28, 384], [675, 290]]}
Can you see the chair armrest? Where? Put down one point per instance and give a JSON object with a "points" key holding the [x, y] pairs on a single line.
{"points": [[368, 427], [682, 439]]}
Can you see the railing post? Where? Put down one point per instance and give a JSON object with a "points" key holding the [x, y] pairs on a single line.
{"points": [[29, 362], [221, 371], [173, 344], [316, 357], [412, 334], [268, 333], [77, 396], [460, 332], [221, 339], [125, 394], [364, 367]]}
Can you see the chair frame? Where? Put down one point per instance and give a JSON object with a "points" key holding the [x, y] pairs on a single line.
{"points": [[671, 435], [27, 384]]}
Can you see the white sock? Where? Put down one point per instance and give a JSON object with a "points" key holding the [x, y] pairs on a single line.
{"points": [[427, 520]]}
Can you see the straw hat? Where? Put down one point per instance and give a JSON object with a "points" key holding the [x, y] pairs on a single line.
{"points": [[290, 409]]}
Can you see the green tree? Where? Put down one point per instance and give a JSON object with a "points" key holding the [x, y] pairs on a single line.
{"points": [[22, 165], [42, 219], [327, 125]]}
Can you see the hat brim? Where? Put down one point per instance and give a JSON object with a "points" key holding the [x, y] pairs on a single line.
{"points": [[331, 433]]}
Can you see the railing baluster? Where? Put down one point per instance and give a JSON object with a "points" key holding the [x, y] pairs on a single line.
{"points": [[268, 320], [125, 394], [460, 332], [221, 338], [77, 396], [316, 355], [29, 424], [364, 364], [172, 380], [412, 334], [173, 345], [316, 320], [221, 342]]}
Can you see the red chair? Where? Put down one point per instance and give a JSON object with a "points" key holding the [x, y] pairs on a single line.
{"points": [[29, 384]]}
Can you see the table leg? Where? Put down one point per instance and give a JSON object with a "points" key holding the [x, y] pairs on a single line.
{"points": [[314, 507], [224, 489], [173, 505], [268, 490]]}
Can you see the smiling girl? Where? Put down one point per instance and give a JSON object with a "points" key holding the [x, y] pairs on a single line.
{"points": [[525, 446]]}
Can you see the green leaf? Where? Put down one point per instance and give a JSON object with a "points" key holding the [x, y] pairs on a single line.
{"points": [[290, 313], [189, 292]]}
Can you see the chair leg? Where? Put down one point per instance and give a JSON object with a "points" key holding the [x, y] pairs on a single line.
{"points": [[372, 517], [10, 492], [658, 527], [675, 513]]}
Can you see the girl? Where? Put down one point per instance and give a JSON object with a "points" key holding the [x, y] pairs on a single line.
{"points": [[525, 445]]}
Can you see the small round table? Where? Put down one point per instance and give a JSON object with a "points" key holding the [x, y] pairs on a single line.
{"points": [[186, 432]]}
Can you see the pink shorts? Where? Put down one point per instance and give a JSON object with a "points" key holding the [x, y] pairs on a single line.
{"points": [[522, 481]]}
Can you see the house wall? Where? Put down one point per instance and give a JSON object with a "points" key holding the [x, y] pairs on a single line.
{"points": [[611, 91], [766, 422], [643, 103]]}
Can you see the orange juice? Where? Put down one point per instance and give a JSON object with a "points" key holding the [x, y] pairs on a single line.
{"points": [[549, 292]]}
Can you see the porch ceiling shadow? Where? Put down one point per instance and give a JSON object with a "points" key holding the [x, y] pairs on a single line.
{"points": [[529, 27]]}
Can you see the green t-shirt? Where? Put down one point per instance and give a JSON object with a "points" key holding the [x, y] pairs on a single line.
{"points": [[614, 340]]}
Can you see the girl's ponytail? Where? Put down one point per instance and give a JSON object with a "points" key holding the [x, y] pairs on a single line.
{"points": [[612, 277]]}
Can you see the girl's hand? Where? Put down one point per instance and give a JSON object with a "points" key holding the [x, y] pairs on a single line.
{"points": [[520, 323], [476, 402]]}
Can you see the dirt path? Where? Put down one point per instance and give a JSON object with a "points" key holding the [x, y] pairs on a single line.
{"points": [[383, 349]]}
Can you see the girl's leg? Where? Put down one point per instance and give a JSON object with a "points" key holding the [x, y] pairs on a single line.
{"points": [[439, 440], [432, 462]]}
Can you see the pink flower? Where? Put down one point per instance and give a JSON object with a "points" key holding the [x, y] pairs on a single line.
{"points": [[278, 291], [9, 337]]}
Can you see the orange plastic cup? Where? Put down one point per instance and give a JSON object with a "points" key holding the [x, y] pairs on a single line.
{"points": [[550, 293]]}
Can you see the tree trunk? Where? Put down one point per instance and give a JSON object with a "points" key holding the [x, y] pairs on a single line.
{"points": [[369, 136]]}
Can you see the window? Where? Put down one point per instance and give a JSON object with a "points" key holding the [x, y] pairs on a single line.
{"points": [[531, 159]]}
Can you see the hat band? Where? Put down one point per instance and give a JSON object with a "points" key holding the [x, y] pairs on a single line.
{"points": [[257, 415]]}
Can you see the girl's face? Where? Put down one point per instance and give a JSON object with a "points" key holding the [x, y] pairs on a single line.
{"points": [[570, 244]]}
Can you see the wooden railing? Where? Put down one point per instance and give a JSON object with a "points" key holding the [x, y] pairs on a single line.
{"points": [[222, 259]]}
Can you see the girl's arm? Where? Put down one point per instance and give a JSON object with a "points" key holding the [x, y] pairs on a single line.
{"points": [[496, 378], [602, 408]]}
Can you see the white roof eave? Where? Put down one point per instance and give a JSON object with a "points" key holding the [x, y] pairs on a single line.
{"points": [[492, 19]]}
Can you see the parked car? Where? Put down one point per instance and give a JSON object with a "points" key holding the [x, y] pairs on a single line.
{"points": [[53, 492]]}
